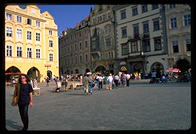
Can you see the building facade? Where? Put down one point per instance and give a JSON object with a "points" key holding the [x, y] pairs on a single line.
{"points": [[178, 18], [74, 50], [31, 42], [102, 38], [141, 41]]}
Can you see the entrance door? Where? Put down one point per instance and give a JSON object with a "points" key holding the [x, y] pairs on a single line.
{"points": [[34, 73], [49, 74]]}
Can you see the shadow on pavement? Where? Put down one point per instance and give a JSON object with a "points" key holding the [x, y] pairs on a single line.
{"points": [[13, 124]]}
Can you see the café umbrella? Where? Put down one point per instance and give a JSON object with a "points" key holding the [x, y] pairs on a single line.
{"points": [[173, 70]]}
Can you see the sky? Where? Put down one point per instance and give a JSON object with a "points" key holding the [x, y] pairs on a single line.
{"points": [[67, 16]]}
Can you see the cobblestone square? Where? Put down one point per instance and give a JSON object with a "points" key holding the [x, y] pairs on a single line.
{"points": [[141, 106]]}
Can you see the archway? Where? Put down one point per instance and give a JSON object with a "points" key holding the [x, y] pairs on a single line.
{"points": [[33, 73], [100, 69], [87, 70], [49, 74], [158, 67], [11, 72], [76, 71], [12, 69], [183, 65]]}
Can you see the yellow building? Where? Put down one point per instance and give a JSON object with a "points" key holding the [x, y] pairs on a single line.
{"points": [[31, 42]]}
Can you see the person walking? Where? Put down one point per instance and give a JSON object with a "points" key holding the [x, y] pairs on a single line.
{"points": [[86, 84], [58, 84], [110, 80], [90, 83], [23, 97], [116, 80], [47, 81], [128, 76]]}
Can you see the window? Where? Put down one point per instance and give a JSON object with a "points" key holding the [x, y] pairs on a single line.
{"points": [[50, 32], [86, 44], [80, 45], [108, 42], [50, 57], [107, 29], [175, 46], [50, 43], [19, 51], [188, 45], [172, 6], [134, 11], [173, 23], [124, 32], [19, 33], [144, 8], [136, 29], [9, 50], [123, 14], [187, 20], [29, 21], [125, 49], [155, 6], [86, 58], [9, 31], [38, 53], [145, 27], [146, 45], [29, 53], [19, 19], [157, 43], [37, 36], [80, 59], [37, 23], [134, 47], [156, 25], [8, 16], [28, 35]]}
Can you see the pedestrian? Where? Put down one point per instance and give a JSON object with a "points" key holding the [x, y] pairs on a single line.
{"points": [[124, 80], [100, 81], [110, 80], [23, 97], [153, 76], [128, 76], [66, 83], [90, 83], [58, 84], [47, 81], [86, 84], [116, 80], [106, 81]]}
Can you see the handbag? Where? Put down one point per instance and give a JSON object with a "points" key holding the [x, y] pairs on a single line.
{"points": [[16, 95], [14, 101]]}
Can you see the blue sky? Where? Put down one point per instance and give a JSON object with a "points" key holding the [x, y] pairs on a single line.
{"points": [[67, 16]]}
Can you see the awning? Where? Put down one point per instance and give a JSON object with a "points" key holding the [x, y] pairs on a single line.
{"points": [[173, 70]]}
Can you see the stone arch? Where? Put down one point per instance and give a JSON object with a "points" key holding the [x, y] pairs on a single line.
{"points": [[12, 69], [183, 65], [34, 73], [158, 67], [100, 69]]}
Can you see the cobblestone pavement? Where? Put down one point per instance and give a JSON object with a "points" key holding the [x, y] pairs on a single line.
{"points": [[141, 106]]}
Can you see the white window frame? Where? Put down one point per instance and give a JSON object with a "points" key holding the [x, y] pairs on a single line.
{"points": [[9, 16], [38, 53], [19, 51], [9, 31], [19, 19], [19, 33], [51, 57], [29, 35], [9, 50], [29, 52], [37, 36], [37, 23]]}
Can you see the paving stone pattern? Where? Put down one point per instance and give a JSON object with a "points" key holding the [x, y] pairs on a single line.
{"points": [[141, 106]]}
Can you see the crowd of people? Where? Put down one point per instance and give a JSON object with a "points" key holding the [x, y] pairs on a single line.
{"points": [[110, 81]]}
